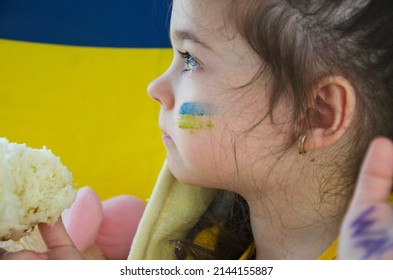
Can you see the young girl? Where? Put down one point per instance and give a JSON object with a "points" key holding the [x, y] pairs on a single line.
{"points": [[273, 104]]}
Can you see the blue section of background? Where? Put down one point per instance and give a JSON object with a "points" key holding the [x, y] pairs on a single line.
{"points": [[101, 23]]}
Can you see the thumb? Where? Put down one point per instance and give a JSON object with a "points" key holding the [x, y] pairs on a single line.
{"points": [[60, 245], [375, 178], [55, 236]]}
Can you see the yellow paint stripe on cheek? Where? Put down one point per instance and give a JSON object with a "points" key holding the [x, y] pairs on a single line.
{"points": [[195, 122]]}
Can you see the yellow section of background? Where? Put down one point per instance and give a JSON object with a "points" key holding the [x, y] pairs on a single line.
{"points": [[90, 107]]}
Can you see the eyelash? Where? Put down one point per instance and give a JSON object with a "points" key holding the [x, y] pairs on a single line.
{"points": [[191, 64]]}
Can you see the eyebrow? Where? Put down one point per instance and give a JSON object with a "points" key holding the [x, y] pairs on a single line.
{"points": [[185, 35]]}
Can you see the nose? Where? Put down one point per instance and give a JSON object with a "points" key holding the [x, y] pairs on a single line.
{"points": [[161, 91]]}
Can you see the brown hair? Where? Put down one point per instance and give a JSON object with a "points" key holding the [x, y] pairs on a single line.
{"points": [[299, 43]]}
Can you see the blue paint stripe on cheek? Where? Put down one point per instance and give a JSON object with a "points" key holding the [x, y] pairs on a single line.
{"points": [[197, 109]]}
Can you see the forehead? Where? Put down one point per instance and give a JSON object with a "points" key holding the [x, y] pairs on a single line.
{"points": [[202, 17], [206, 23]]}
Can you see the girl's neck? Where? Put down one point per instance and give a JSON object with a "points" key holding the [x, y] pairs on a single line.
{"points": [[293, 229]]}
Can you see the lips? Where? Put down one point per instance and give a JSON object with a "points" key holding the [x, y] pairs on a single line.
{"points": [[166, 137]]}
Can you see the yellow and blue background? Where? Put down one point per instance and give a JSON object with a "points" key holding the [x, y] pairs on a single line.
{"points": [[73, 77]]}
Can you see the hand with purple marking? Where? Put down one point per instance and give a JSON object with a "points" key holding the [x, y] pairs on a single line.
{"points": [[367, 230]]}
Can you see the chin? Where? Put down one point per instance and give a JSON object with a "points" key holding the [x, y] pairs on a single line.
{"points": [[187, 174], [180, 172], [177, 170]]}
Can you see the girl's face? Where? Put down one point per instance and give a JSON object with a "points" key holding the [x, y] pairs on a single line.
{"points": [[206, 116]]}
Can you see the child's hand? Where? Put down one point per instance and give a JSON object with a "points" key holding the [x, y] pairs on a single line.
{"points": [[97, 229], [367, 231], [59, 244]]}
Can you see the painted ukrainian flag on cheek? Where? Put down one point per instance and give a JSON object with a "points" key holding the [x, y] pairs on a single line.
{"points": [[73, 77]]}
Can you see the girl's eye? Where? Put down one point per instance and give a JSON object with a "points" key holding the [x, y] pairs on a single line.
{"points": [[191, 64]]}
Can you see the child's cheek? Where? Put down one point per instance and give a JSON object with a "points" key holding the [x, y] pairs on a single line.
{"points": [[196, 116]]}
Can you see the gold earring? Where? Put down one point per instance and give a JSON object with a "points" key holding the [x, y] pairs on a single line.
{"points": [[300, 143]]}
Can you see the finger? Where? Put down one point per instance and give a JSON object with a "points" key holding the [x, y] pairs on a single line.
{"points": [[55, 236], [375, 179], [23, 255], [2, 251]]}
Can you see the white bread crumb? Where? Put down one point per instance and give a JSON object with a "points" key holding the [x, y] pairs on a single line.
{"points": [[35, 187]]}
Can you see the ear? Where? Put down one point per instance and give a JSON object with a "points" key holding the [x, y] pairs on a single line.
{"points": [[333, 111]]}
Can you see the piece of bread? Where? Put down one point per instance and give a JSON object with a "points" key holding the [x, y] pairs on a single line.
{"points": [[35, 187]]}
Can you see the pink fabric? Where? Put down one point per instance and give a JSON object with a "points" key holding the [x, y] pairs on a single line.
{"points": [[83, 220], [110, 225]]}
